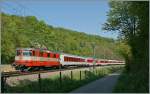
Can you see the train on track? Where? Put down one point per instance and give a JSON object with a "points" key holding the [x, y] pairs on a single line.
{"points": [[34, 59]]}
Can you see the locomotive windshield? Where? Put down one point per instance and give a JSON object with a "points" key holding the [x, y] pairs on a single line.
{"points": [[24, 53], [27, 53]]}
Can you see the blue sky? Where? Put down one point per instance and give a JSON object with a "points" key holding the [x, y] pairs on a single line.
{"points": [[79, 15]]}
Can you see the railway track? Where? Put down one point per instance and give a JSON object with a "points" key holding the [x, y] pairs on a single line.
{"points": [[19, 73]]}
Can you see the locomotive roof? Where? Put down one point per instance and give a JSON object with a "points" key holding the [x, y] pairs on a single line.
{"points": [[44, 50]]}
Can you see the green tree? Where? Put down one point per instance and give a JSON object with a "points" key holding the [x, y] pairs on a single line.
{"points": [[127, 18], [131, 20]]}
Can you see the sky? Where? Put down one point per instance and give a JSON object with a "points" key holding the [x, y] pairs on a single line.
{"points": [[78, 15]]}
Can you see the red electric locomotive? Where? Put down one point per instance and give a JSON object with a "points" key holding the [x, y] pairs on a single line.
{"points": [[27, 58]]}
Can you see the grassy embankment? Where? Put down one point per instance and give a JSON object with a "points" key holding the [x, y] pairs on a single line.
{"points": [[52, 84], [132, 82]]}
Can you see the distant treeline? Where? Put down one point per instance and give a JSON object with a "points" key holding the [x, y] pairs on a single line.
{"points": [[18, 31]]}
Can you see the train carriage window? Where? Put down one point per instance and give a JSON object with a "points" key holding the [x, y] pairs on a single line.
{"points": [[68, 59], [71, 59], [64, 58], [76, 60]]}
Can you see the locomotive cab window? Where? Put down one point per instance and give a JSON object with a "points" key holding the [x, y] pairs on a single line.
{"points": [[27, 53]]}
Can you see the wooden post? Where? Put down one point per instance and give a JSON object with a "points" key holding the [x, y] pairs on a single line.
{"points": [[80, 75], [99, 72], [60, 79], [85, 73], [102, 72], [2, 83], [71, 75], [96, 72], [39, 79]]}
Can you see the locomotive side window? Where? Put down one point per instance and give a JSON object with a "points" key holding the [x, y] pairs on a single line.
{"points": [[45, 54], [33, 53], [18, 53], [57, 55], [51, 55], [41, 54], [48, 54], [54, 56]]}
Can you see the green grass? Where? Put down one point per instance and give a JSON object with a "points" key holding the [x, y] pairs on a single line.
{"points": [[132, 83], [52, 85]]}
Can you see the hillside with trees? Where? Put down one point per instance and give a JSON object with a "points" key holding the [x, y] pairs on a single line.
{"points": [[28, 31]]}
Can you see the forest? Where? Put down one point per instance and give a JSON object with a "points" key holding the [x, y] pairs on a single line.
{"points": [[29, 32]]}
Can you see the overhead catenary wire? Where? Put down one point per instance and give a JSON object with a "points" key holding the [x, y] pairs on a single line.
{"points": [[31, 10], [21, 9]]}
